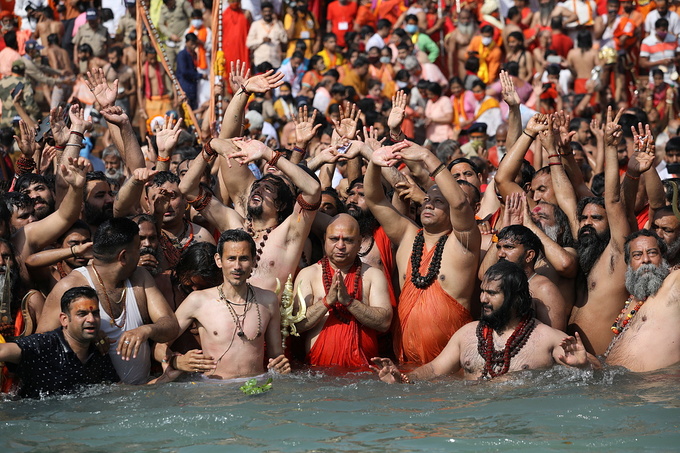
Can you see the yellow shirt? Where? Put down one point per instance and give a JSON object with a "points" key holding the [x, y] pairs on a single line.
{"points": [[305, 29], [333, 60]]}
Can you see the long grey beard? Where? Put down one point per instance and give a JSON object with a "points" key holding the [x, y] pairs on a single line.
{"points": [[646, 280]]}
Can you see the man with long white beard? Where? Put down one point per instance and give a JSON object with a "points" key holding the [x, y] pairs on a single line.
{"points": [[646, 336]]}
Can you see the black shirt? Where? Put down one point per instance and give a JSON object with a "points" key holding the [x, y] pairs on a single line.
{"points": [[49, 365]]}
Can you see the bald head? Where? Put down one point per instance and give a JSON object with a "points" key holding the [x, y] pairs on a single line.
{"points": [[343, 223], [342, 241]]}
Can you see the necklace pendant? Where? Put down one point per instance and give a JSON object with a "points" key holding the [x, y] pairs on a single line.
{"points": [[241, 334], [111, 321]]}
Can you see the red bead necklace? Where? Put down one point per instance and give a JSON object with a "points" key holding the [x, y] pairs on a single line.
{"points": [[621, 323], [339, 310], [501, 359]]}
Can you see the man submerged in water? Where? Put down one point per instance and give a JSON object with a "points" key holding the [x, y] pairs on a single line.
{"points": [[508, 324], [234, 320]]}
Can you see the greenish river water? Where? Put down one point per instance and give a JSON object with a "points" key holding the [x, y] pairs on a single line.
{"points": [[554, 410]]}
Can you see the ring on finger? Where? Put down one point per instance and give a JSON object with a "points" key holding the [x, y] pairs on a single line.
{"points": [[127, 341]]}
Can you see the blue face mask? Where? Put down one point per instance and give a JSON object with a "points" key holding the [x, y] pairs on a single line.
{"points": [[411, 28]]}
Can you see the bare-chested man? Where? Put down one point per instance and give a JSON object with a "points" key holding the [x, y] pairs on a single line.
{"points": [[517, 244], [437, 264], [127, 81], [234, 320], [646, 337], [581, 60], [347, 301], [506, 311], [133, 310], [457, 42], [547, 9]]}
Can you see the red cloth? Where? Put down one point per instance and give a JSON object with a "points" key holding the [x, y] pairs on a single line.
{"points": [[561, 44], [642, 217], [236, 28], [342, 18], [426, 318], [343, 341], [495, 161], [387, 258]]}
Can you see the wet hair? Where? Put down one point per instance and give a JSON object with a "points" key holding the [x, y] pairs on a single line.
{"points": [[163, 177], [112, 236], [77, 225], [526, 172], [73, 294], [464, 160], [599, 201], [477, 195], [514, 284], [663, 248], [199, 260], [522, 235], [236, 236], [17, 200], [597, 184], [28, 179]]}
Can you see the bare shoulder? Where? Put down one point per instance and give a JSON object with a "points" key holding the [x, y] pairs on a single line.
{"points": [[142, 277], [265, 297], [308, 273], [545, 332], [370, 273], [198, 299], [72, 280], [202, 234]]}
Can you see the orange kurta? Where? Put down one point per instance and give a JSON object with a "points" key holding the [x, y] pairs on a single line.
{"points": [[426, 318], [343, 341]]}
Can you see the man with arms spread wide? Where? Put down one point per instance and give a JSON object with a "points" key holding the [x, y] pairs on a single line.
{"points": [[646, 336], [234, 320], [437, 269], [347, 302], [507, 338]]}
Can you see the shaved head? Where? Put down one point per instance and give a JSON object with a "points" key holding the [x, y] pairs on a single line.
{"points": [[342, 241]]}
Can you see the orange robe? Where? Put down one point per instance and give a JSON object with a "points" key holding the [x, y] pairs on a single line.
{"points": [[235, 28], [343, 341], [387, 258], [426, 318]]}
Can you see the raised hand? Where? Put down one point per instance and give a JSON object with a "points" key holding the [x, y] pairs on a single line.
{"points": [[508, 91], [408, 190], [514, 211], [77, 116], [644, 151], [238, 75], [596, 129], [115, 115], [612, 129], [49, 153], [537, 123], [575, 354], [349, 117], [141, 176], [371, 138], [59, 130], [386, 156], [304, 126], [411, 152], [26, 140], [563, 137], [398, 112], [74, 171], [167, 135], [264, 82], [386, 369], [104, 92], [250, 151]]}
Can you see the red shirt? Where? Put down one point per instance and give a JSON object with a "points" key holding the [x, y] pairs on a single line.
{"points": [[342, 17], [561, 44]]}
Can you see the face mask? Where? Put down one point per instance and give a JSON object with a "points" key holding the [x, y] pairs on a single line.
{"points": [[673, 168], [385, 60], [479, 96], [662, 35], [373, 59], [196, 23], [401, 84], [411, 28], [486, 40]]}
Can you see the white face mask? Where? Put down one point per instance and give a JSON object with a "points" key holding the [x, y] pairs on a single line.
{"points": [[401, 84], [486, 40], [196, 23], [385, 60]]}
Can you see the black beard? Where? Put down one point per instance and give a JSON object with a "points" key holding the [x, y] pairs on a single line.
{"points": [[646, 280], [367, 223], [95, 216], [590, 247], [156, 253], [43, 212], [255, 212], [500, 318]]}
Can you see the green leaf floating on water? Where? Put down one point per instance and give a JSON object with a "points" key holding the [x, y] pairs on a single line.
{"points": [[251, 387]]}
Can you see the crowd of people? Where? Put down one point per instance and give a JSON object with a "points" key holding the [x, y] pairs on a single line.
{"points": [[467, 188]]}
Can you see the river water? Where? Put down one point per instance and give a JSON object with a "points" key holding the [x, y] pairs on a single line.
{"points": [[553, 410]]}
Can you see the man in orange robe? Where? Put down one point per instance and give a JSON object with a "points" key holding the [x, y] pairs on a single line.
{"points": [[235, 26], [347, 301], [437, 295]]}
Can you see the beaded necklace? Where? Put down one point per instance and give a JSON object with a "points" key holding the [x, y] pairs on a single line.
{"points": [[368, 250], [259, 247], [493, 359], [177, 241], [112, 321], [621, 323], [239, 320], [339, 310], [420, 281]]}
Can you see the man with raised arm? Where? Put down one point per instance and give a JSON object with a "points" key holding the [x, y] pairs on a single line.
{"points": [[507, 319], [437, 263], [133, 310], [347, 301], [277, 220], [645, 333], [234, 319]]}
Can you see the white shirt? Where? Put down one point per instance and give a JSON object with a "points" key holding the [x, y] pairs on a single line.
{"points": [[672, 18], [375, 41]]}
